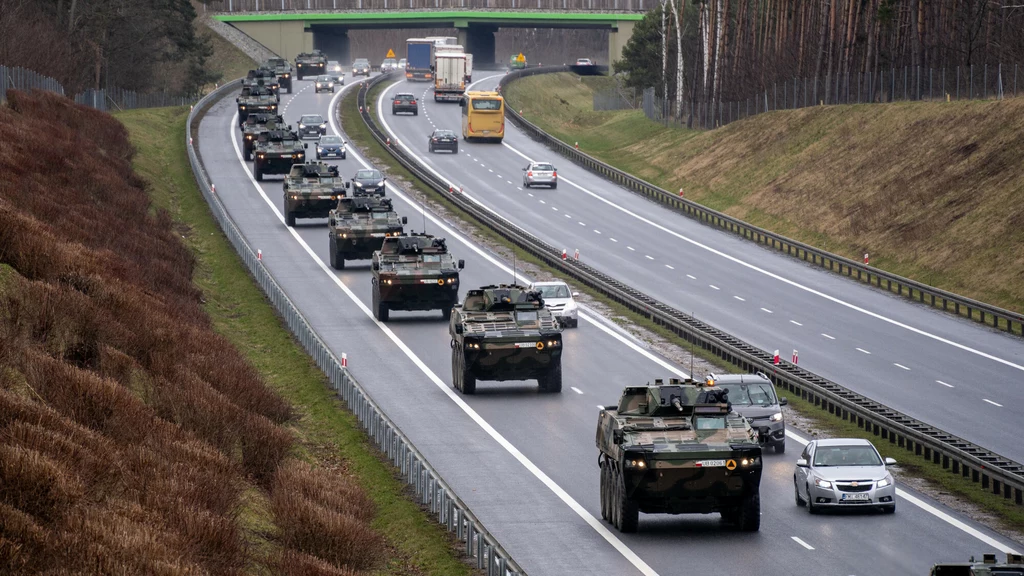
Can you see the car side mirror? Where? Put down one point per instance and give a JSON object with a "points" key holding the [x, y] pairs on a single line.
{"points": [[890, 461], [238, 99], [783, 401], [462, 264], [617, 436], [405, 219], [306, 146], [575, 294], [462, 103], [801, 463], [348, 185], [376, 265]]}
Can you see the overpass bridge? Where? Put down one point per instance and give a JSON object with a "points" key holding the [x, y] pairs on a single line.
{"points": [[289, 32]]}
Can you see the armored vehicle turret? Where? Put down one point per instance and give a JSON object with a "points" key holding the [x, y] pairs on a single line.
{"points": [[310, 64], [257, 124], [283, 69], [277, 153], [265, 75], [254, 99], [311, 190], [414, 272], [678, 448], [505, 333], [359, 226], [1014, 566]]}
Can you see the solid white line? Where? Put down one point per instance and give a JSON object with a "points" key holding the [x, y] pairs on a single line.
{"points": [[778, 276], [900, 366], [669, 267], [767, 310], [715, 287], [946, 385], [795, 322], [740, 299], [863, 350], [802, 543], [992, 403], [827, 336], [691, 277], [576, 390]]}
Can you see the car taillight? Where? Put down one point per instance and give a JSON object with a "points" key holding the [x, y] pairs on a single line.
{"points": [[434, 139], [554, 174], [530, 173], [398, 101], [413, 102]]}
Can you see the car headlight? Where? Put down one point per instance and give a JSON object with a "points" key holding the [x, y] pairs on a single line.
{"points": [[301, 125], [822, 483], [884, 482], [324, 125], [319, 149], [381, 183], [777, 417], [359, 184]]}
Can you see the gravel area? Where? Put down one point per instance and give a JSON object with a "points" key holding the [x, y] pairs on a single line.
{"points": [[252, 48]]}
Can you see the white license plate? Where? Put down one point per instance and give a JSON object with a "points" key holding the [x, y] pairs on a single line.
{"points": [[434, 281], [710, 463], [526, 344], [377, 235], [856, 497]]}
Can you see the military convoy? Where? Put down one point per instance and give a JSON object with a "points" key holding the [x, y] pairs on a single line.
{"points": [[414, 272], [357, 228], [262, 76], [256, 99], [678, 448], [504, 333], [310, 64], [256, 126], [283, 69], [276, 153], [989, 566], [311, 190]]}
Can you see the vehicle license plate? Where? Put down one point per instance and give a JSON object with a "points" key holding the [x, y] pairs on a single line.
{"points": [[710, 463], [861, 497], [526, 344], [377, 235]]}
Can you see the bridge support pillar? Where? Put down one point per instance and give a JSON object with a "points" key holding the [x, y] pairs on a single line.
{"points": [[617, 39], [333, 41], [286, 38], [478, 40]]}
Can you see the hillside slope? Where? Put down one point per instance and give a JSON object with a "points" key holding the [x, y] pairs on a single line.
{"points": [[933, 191]]}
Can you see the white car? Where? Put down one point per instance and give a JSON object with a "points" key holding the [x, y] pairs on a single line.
{"points": [[560, 300], [584, 62], [843, 473]]}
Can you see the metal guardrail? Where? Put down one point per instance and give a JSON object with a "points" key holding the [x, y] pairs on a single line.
{"points": [[428, 487], [988, 314], [992, 472]]}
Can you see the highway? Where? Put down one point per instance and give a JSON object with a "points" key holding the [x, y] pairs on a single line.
{"points": [[525, 462], [947, 371]]}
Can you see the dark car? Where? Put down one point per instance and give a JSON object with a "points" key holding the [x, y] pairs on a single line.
{"points": [[361, 67], [443, 140], [312, 126], [367, 182], [405, 102], [753, 396], [324, 83], [330, 147]]}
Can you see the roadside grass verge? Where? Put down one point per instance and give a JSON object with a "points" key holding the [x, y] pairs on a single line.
{"points": [[227, 60], [932, 190], [328, 435]]}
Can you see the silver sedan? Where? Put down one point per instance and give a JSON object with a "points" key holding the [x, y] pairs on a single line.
{"points": [[843, 473], [541, 173]]}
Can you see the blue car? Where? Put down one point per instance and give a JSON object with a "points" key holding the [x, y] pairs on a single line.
{"points": [[330, 147]]}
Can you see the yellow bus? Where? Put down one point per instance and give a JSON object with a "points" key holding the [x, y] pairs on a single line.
{"points": [[483, 116]]}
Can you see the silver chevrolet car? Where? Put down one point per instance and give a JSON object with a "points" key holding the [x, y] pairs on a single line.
{"points": [[540, 173], [843, 473]]}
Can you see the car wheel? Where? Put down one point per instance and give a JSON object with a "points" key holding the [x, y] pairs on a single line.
{"points": [[526, 184], [810, 503], [553, 186], [415, 112], [780, 448], [456, 151], [796, 492], [446, 313], [890, 509], [317, 155], [430, 148], [552, 381]]}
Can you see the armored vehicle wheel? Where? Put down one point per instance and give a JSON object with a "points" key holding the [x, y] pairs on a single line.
{"points": [[337, 260], [446, 313], [552, 381], [289, 219], [799, 499], [780, 448], [465, 381], [627, 513], [604, 491], [380, 309], [748, 517], [258, 173]]}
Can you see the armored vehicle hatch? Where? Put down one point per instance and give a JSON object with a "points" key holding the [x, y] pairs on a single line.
{"points": [[414, 272], [359, 226]]}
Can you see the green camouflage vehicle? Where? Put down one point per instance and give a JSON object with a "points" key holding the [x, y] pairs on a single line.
{"points": [[255, 99], [358, 227], [277, 153], [678, 449], [283, 69], [310, 64], [1014, 566], [505, 333], [255, 126], [414, 272], [267, 76], [311, 190]]}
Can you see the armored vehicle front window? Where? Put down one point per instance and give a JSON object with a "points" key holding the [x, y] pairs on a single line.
{"points": [[526, 316], [846, 456], [474, 303], [710, 423], [749, 395], [380, 215]]}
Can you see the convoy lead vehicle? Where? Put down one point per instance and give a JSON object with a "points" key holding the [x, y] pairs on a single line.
{"points": [[358, 227], [505, 333], [414, 272], [678, 448]]}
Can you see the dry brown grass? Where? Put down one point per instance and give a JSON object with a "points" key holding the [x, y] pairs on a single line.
{"points": [[129, 430]]}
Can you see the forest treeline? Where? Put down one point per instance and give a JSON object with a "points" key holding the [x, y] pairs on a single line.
{"points": [[715, 51]]}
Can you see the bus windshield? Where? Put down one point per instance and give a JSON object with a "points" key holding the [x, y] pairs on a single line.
{"points": [[486, 104]]}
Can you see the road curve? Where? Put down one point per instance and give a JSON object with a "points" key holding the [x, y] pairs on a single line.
{"points": [[525, 462]]}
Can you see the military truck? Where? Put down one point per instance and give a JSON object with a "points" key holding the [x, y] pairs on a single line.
{"points": [[311, 190], [359, 226], [1014, 566], [310, 64], [414, 272], [678, 448], [255, 99], [277, 153], [266, 75], [283, 69], [256, 125], [504, 333]]}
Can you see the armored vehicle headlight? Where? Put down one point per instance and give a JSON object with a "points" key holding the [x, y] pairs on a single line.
{"points": [[294, 196], [450, 280], [387, 281], [748, 461], [273, 106], [636, 463], [553, 343], [777, 417], [344, 234], [822, 483], [241, 107], [473, 345]]}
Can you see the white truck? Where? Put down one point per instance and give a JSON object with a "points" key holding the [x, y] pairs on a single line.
{"points": [[449, 76], [456, 49]]}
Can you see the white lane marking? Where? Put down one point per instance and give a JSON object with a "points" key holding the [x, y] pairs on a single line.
{"points": [[491, 171], [530, 193], [597, 231], [827, 336], [580, 223], [554, 208], [691, 276], [568, 216], [613, 240], [767, 310], [992, 403], [946, 385], [898, 365], [648, 257], [576, 390], [669, 267], [863, 350], [795, 322], [715, 287], [779, 277], [509, 181], [802, 543], [543, 202], [499, 176], [740, 299], [631, 248]]}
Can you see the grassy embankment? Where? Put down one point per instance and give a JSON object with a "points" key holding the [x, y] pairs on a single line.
{"points": [[227, 60], [932, 190], [837, 164], [329, 435]]}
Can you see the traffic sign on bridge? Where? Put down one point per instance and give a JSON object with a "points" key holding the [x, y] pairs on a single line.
{"points": [[391, 53]]}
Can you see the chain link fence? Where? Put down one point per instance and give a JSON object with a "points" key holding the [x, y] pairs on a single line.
{"points": [[106, 100], [351, 5]]}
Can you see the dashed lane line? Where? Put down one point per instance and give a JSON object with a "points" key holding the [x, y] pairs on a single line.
{"points": [[898, 365]]}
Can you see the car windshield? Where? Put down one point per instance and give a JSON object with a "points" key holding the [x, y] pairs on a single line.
{"points": [[405, 97], [361, 62], [444, 133], [276, 62], [368, 175], [750, 394], [312, 119], [846, 456], [330, 140], [323, 78], [543, 167], [554, 291]]}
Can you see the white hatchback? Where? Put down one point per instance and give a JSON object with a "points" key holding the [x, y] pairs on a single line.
{"points": [[560, 301]]}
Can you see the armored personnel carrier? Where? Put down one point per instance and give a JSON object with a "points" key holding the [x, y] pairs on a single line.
{"points": [[310, 64], [311, 190], [254, 99], [678, 448], [505, 333], [277, 153], [283, 69], [266, 75], [1014, 566], [256, 125], [414, 272], [359, 226]]}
